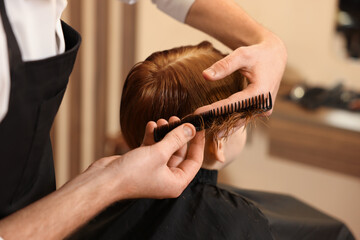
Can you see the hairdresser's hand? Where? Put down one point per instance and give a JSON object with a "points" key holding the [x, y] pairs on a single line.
{"points": [[157, 170], [262, 63], [154, 170]]}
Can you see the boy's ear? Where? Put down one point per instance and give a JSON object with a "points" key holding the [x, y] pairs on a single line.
{"points": [[217, 146]]}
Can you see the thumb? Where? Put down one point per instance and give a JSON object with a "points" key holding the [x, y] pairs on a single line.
{"points": [[149, 134], [175, 139], [224, 67]]}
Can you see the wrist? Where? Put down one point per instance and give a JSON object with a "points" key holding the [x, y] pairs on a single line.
{"points": [[99, 184], [61, 212]]}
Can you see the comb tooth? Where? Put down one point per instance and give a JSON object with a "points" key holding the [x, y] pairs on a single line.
{"points": [[262, 101], [238, 107], [217, 110], [221, 110], [213, 113], [256, 102], [208, 113], [259, 102], [270, 101], [259, 99], [232, 107], [266, 102], [242, 104]]}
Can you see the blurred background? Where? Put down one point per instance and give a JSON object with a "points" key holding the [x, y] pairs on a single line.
{"points": [[309, 148]]}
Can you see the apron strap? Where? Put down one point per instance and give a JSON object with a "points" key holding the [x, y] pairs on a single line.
{"points": [[13, 47]]}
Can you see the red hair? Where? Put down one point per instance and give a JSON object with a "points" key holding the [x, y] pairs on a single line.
{"points": [[170, 83]]}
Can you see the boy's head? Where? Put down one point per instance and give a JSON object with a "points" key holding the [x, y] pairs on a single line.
{"points": [[170, 83]]}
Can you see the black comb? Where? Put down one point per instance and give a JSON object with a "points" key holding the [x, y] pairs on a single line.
{"points": [[258, 104]]}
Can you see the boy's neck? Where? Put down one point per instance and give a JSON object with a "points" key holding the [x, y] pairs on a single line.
{"points": [[212, 164]]}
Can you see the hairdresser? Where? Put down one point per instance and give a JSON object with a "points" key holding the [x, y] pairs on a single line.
{"points": [[37, 53]]}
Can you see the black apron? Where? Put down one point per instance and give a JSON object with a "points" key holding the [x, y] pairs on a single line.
{"points": [[37, 88]]}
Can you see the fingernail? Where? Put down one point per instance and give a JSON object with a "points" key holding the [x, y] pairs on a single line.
{"points": [[188, 131], [211, 72], [221, 134]]}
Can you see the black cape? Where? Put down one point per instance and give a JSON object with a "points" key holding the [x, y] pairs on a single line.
{"points": [[203, 211], [206, 211]]}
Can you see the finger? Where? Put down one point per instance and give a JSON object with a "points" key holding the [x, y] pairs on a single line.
{"points": [[173, 119], [180, 154], [188, 168], [234, 61], [161, 122], [175, 140], [149, 134], [250, 91]]}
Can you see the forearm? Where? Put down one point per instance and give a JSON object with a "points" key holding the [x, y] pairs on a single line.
{"points": [[60, 213], [226, 21]]}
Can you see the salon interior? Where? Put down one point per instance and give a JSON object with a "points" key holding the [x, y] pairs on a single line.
{"points": [[309, 148]]}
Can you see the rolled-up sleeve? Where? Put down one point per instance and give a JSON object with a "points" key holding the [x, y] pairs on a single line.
{"points": [[177, 9]]}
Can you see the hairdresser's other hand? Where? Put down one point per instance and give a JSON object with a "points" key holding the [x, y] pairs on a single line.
{"points": [[262, 63], [147, 172], [141, 173]]}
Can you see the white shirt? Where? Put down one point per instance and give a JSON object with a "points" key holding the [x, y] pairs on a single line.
{"points": [[37, 28]]}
